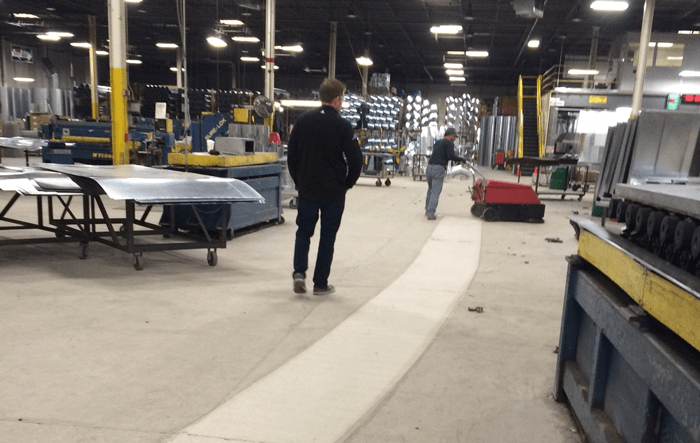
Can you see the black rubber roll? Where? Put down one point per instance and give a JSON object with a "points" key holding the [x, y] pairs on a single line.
{"points": [[621, 211], [667, 230], [654, 223], [683, 236], [631, 215], [695, 244], [640, 224]]}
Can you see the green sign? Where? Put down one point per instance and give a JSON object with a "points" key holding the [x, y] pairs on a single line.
{"points": [[673, 101]]}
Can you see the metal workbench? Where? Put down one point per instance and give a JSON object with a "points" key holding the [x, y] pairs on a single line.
{"points": [[89, 221]]}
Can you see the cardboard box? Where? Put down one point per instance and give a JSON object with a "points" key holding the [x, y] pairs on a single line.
{"points": [[36, 121]]}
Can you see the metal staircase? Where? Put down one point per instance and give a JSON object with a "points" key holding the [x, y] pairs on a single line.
{"points": [[530, 143]]}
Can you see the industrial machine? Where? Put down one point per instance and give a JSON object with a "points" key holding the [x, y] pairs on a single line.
{"points": [[629, 350]]}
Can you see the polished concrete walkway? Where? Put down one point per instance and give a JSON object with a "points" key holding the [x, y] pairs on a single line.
{"points": [[94, 351]]}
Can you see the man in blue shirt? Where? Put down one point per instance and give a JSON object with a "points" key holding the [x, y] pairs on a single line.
{"points": [[443, 151], [324, 161]]}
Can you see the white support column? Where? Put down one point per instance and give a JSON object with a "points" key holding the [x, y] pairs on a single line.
{"points": [[270, 50], [642, 60], [94, 100], [332, 47]]}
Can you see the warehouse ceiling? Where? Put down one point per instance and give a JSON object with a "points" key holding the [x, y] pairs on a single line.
{"points": [[396, 33]]}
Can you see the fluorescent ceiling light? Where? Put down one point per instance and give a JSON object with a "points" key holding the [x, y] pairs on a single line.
{"points": [[674, 58], [249, 59], [688, 32], [453, 65], [101, 53], [583, 71], [60, 34], [53, 38], [294, 48], [133, 1], [477, 53], [167, 45], [23, 79], [244, 39], [446, 29], [133, 61], [457, 79], [216, 42], [364, 61], [455, 52], [454, 72], [24, 15], [533, 44], [609, 5], [690, 74], [231, 22], [276, 67], [174, 69], [85, 45], [664, 45]]}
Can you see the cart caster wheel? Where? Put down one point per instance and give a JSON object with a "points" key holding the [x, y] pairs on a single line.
{"points": [[387, 182], [212, 258], [280, 221], [378, 182], [574, 187], [83, 250], [122, 228], [563, 196], [138, 262], [490, 214], [293, 203], [580, 197]]}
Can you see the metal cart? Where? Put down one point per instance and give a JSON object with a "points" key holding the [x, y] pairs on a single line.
{"points": [[374, 165]]}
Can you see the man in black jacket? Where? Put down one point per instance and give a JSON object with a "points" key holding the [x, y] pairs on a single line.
{"points": [[324, 161], [443, 152]]}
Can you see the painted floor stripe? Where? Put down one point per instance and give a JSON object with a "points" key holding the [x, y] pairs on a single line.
{"points": [[321, 393]]}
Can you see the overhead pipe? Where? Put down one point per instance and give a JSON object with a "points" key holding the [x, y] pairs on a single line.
{"points": [[94, 100], [332, 46], [640, 75]]}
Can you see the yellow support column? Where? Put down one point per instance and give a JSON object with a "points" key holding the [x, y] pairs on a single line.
{"points": [[118, 81]]}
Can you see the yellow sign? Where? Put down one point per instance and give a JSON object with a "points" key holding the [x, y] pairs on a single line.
{"points": [[600, 99]]}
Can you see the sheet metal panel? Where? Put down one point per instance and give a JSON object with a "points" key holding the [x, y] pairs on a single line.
{"points": [[22, 143], [33, 181], [158, 186], [679, 198]]}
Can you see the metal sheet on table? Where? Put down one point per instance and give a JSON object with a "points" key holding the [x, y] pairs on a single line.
{"points": [[22, 143], [682, 199], [33, 181], [159, 186]]}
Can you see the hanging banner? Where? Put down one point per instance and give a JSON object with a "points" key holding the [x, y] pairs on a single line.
{"points": [[20, 54]]}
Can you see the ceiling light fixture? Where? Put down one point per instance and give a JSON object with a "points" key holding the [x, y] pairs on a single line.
{"points": [[609, 5], [533, 44], [264, 67], [245, 39], [477, 54], [216, 42], [231, 22], [133, 1], [101, 53], [454, 71], [174, 68], [364, 61], [167, 45], [457, 79], [294, 48], [60, 34], [47, 37], [24, 15], [689, 74], [23, 79], [249, 59], [453, 65], [446, 29], [85, 45], [455, 52], [133, 61], [583, 71]]}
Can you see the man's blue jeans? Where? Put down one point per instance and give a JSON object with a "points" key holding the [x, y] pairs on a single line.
{"points": [[307, 217], [435, 175]]}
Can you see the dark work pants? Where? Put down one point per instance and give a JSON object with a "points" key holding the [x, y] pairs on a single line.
{"points": [[307, 216]]}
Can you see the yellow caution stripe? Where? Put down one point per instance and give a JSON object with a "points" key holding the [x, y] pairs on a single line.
{"points": [[674, 306], [205, 159]]}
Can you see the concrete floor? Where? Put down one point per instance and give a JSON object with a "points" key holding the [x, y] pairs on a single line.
{"points": [[95, 351]]}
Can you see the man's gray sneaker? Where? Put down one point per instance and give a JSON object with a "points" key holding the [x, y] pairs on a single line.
{"points": [[299, 283], [432, 217], [329, 289]]}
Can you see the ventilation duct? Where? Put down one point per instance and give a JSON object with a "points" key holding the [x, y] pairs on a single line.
{"points": [[529, 8]]}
